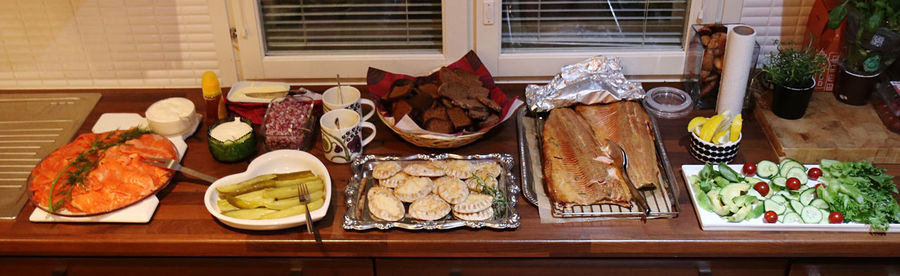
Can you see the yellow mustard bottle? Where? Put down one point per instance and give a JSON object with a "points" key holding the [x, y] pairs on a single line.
{"points": [[212, 95]]}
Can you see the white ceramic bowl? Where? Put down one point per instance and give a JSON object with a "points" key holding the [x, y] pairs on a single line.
{"points": [[279, 161]]}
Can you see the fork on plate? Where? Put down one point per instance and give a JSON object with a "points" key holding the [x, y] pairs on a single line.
{"points": [[303, 193], [173, 165]]}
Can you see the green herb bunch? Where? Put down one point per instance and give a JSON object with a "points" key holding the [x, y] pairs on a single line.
{"points": [[499, 204], [794, 66], [78, 169]]}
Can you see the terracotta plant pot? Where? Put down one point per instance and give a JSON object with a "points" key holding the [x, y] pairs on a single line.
{"points": [[854, 88], [791, 103]]}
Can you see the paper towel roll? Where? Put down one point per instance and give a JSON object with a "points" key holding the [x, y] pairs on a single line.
{"points": [[736, 69]]}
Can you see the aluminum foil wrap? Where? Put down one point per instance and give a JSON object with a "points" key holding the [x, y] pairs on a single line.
{"points": [[595, 80]]}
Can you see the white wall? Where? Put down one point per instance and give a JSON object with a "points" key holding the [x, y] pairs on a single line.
{"points": [[105, 43]]}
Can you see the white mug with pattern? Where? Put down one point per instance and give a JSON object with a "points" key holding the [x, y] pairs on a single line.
{"points": [[342, 135], [352, 100]]}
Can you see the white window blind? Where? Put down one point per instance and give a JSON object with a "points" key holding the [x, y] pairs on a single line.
{"points": [[783, 20], [310, 26], [584, 25]]}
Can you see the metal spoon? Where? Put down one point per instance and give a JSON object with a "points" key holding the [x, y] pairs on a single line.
{"points": [[340, 95]]}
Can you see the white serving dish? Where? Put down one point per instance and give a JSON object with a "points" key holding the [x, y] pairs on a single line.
{"points": [[710, 221], [236, 93], [279, 161]]}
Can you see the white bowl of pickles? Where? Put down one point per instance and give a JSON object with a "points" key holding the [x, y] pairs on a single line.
{"points": [[265, 196]]}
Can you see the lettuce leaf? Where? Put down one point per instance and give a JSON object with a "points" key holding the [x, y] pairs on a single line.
{"points": [[861, 192]]}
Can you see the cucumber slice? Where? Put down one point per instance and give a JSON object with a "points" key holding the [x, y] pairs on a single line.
{"points": [[811, 215], [785, 161], [825, 215], [807, 196], [766, 169], [819, 203], [784, 169], [796, 205], [799, 173], [776, 207], [795, 163], [792, 218], [779, 199], [780, 181]]}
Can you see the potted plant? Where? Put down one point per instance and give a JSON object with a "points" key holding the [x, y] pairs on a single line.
{"points": [[792, 71], [871, 44]]}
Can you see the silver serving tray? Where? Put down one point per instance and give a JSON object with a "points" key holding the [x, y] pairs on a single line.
{"points": [[358, 217], [661, 200]]}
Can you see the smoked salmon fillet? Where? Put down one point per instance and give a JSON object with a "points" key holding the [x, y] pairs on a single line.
{"points": [[627, 124], [119, 179], [576, 170]]}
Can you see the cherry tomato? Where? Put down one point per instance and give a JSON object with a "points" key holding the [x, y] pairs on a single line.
{"points": [[793, 183], [835, 217], [814, 173], [762, 188], [749, 169], [820, 185], [771, 217]]}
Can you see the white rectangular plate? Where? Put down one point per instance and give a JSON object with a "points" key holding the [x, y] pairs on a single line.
{"points": [[710, 221], [140, 212]]}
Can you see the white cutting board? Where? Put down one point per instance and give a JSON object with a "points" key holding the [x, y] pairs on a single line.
{"points": [[710, 221], [140, 212]]}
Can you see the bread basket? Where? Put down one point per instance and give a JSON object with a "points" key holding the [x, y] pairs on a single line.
{"points": [[379, 82], [434, 141]]}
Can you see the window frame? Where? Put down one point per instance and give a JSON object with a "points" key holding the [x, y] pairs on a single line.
{"points": [[654, 65], [254, 64], [464, 30]]}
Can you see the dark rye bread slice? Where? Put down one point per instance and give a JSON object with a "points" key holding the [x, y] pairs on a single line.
{"points": [[458, 117], [491, 120], [478, 114], [399, 109], [454, 91], [489, 103], [441, 126], [435, 113], [399, 89], [430, 89], [460, 76]]}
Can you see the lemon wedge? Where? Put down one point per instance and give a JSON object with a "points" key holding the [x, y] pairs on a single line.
{"points": [[709, 128], [696, 122], [717, 139], [736, 126]]}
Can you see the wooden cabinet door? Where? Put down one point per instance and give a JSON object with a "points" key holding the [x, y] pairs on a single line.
{"points": [[527, 267], [184, 266]]}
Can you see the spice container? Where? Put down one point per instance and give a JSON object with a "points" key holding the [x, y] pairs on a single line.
{"points": [[288, 123], [232, 139], [212, 95]]}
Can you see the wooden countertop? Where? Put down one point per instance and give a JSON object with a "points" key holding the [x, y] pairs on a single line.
{"points": [[183, 227]]}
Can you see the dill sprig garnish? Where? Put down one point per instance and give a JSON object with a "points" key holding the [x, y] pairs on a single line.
{"points": [[84, 163], [499, 203]]}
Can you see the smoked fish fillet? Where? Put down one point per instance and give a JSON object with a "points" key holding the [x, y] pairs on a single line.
{"points": [[627, 124], [576, 170]]}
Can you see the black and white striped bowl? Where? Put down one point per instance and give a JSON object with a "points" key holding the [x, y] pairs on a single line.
{"points": [[713, 153]]}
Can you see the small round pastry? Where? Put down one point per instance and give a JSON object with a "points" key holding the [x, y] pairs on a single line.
{"points": [[474, 202], [489, 168], [379, 190], [424, 169], [451, 189], [394, 181], [458, 168], [414, 188], [473, 183], [430, 207], [480, 215], [385, 206], [386, 169]]}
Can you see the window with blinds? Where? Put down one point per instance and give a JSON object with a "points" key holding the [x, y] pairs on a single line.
{"points": [[559, 25], [316, 26]]}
